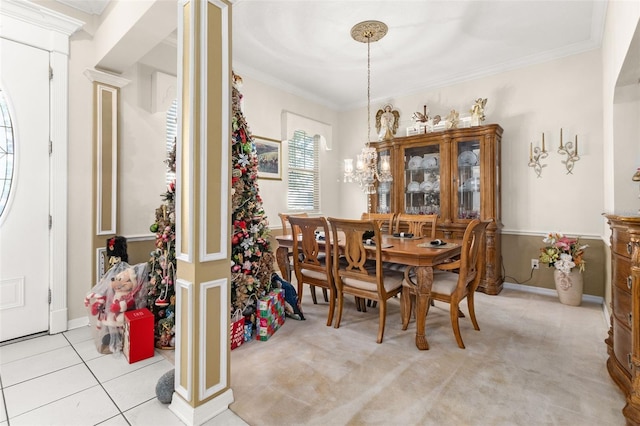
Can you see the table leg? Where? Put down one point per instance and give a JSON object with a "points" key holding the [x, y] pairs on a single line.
{"points": [[282, 257], [424, 277]]}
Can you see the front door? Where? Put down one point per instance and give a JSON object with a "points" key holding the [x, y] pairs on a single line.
{"points": [[24, 224]]}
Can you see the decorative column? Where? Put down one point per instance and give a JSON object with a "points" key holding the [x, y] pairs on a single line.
{"points": [[106, 93], [202, 211]]}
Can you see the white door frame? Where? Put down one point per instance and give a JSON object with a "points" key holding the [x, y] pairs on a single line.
{"points": [[31, 24]]}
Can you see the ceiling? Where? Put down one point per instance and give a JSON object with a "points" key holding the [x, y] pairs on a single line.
{"points": [[92, 7], [305, 46]]}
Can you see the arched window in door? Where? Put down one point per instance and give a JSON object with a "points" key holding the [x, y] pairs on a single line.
{"points": [[6, 153]]}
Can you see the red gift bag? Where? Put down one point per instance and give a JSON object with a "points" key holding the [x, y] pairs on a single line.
{"points": [[237, 329]]}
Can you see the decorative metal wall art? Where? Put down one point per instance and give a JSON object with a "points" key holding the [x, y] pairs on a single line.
{"points": [[535, 155], [571, 151]]}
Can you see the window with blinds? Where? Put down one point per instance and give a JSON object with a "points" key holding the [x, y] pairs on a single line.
{"points": [[304, 173], [172, 131]]}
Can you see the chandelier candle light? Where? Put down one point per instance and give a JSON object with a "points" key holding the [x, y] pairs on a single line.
{"points": [[366, 172]]}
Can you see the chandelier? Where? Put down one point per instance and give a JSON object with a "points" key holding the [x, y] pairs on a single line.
{"points": [[367, 171]]}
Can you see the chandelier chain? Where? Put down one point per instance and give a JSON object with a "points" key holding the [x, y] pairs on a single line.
{"points": [[368, 88], [367, 171]]}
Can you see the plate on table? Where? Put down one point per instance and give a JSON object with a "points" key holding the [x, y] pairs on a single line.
{"points": [[467, 158]]}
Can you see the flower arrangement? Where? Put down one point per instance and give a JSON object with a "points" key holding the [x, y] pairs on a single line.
{"points": [[562, 252]]}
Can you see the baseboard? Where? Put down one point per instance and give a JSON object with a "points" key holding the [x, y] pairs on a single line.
{"points": [[203, 413], [549, 292], [78, 323], [554, 293], [607, 315], [58, 321]]}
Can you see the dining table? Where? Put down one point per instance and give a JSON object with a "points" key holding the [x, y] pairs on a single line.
{"points": [[416, 252]]}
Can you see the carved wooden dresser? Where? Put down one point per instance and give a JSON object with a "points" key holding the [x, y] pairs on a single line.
{"points": [[623, 342]]}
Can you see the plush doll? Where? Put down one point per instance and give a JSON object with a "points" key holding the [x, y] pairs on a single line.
{"points": [[117, 250], [95, 302], [124, 287]]}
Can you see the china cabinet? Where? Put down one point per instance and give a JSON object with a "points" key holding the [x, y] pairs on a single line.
{"points": [[623, 342], [454, 173]]}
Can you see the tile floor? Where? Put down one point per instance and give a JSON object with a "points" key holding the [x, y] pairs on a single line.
{"points": [[61, 379]]}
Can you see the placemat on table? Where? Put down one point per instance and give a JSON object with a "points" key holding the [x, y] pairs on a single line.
{"points": [[429, 245], [383, 245]]}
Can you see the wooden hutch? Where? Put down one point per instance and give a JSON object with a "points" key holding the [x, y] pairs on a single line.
{"points": [[454, 173], [623, 343]]}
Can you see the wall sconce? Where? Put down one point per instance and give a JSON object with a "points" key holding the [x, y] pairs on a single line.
{"points": [[570, 151], [535, 155]]}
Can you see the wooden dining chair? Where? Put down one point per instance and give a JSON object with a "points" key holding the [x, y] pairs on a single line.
{"points": [[284, 219], [355, 275], [286, 230], [451, 287], [420, 225], [384, 220], [312, 262]]}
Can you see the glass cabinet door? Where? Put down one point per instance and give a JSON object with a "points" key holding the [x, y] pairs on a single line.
{"points": [[383, 192], [468, 179], [422, 180]]}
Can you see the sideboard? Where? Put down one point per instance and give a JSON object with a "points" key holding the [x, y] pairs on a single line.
{"points": [[623, 341]]}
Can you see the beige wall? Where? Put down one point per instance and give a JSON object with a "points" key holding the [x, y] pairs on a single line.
{"points": [[80, 177], [527, 102], [263, 106], [518, 250], [141, 155]]}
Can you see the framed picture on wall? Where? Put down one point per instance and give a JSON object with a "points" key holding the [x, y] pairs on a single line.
{"points": [[269, 157]]}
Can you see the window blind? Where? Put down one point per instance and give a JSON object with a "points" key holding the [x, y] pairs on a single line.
{"points": [[171, 131], [304, 175]]}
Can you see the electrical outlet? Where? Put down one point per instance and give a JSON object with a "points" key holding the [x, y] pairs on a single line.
{"points": [[535, 264]]}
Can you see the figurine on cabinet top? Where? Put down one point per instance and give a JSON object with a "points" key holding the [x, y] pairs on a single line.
{"points": [[453, 119], [477, 111], [387, 120]]}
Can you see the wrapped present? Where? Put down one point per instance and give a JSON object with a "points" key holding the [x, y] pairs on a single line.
{"points": [[248, 330], [138, 335], [277, 297], [237, 329], [271, 314]]}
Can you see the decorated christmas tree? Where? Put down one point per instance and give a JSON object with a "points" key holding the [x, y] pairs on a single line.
{"points": [[162, 265], [251, 254]]}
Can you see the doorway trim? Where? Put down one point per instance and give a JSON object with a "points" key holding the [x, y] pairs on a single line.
{"points": [[37, 26]]}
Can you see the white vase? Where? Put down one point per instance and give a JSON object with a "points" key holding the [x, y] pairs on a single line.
{"points": [[569, 286]]}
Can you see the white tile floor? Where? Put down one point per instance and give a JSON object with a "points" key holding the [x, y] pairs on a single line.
{"points": [[61, 379]]}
